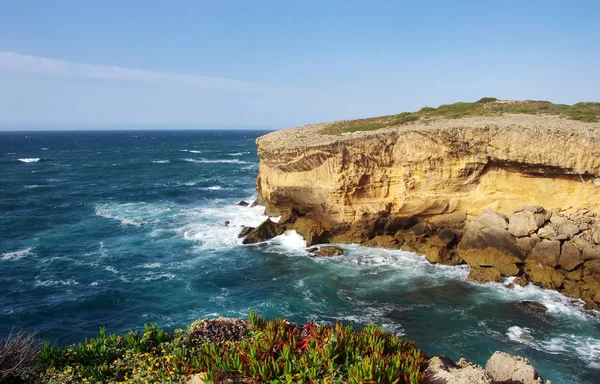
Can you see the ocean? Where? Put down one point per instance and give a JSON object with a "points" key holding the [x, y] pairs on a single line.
{"points": [[124, 228]]}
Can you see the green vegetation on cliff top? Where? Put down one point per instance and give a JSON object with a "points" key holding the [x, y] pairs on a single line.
{"points": [[488, 106], [220, 350]]}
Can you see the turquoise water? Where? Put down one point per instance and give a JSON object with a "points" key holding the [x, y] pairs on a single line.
{"points": [[124, 228]]}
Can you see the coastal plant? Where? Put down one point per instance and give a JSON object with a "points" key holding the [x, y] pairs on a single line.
{"points": [[19, 362], [233, 350], [487, 106]]}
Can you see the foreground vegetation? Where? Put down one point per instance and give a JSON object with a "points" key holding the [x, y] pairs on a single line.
{"points": [[223, 350], [488, 106]]}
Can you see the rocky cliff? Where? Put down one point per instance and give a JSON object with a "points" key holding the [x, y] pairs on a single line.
{"points": [[420, 185]]}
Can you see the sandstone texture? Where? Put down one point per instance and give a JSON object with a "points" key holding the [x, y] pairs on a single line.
{"points": [[516, 195]]}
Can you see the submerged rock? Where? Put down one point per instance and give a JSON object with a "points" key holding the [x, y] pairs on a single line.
{"points": [[329, 251], [533, 307], [242, 203], [245, 230]]}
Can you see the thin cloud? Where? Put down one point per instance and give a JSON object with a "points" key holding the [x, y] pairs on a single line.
{"points": [[15, 62]]}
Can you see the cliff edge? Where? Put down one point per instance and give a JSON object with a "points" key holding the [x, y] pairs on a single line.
{"points": [[334, 182]]}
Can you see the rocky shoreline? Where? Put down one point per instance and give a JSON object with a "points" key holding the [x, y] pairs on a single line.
{"points": [[557, 250], [514, 195]]}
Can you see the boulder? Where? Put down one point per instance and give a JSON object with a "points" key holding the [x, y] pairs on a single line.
{"points": [[568, 228], [592, 267], [590, 253], [226, 222], [484, 274], [557, 220], [242, 203], [570, 256], [329, 251], [596, 236], [490, 247], [546, 252], [560, 237], [265, 231], [505, 368], [546, 232], [442, 370], [526, 243], [575, 275], [245, 230], [572, 289], [492, 219], [437, 251], [543, 275], [524, 223]]}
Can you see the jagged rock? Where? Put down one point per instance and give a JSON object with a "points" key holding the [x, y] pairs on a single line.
{"points": [[571, 289], [383, 241], [526, 243], [265, 231], [492, 219], [448, 220], [505, 368], [242, 203], [584, 227], [329, 251], [570, 256], [533, 307], [254, 203], [442, 370], [575, 275], [245, 230], [568, 229], [484, 274], [543, 275], [226, 222], [488, 247], [546, 232], [421, 229], [521, 280], [312, 249], [312, 230], [546, 252], [593, 266], [525, 223]]}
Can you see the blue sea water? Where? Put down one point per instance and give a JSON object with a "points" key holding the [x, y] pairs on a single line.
{"points": [[125, 228]]}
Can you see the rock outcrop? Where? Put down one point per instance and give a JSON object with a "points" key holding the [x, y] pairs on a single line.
{"points": [[517, 194], [500, 368]]}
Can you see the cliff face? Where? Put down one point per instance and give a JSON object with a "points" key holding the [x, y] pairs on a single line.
{"points": [[510, 195], [428, 170]]}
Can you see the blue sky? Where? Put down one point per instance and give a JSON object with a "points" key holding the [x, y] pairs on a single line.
{"points": [[276, 64]]}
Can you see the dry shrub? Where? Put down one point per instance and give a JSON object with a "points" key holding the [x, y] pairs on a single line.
{"points": [[19, 361]]}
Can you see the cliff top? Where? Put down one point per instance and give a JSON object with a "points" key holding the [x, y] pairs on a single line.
{"points": [[581, 118]]}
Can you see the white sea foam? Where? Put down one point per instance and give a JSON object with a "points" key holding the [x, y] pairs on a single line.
{"points": [[135, 214], [111, 269], [55, 283], [586, 348], [207, 161], [159, 276], [29, 159], [290, 241], [191, 151], [33, 186], [151, 265], [238, 153], [16, 255], [212, 188], [161, 161]]}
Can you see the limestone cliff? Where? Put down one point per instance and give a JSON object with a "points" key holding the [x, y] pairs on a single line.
{"points": [[513, 195], [431, 168]]}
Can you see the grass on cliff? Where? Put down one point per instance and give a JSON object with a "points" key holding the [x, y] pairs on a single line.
{"points": [[234, 350], [487, 106]]}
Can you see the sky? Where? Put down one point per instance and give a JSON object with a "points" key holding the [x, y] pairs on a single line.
{"points": [[276, 64]]}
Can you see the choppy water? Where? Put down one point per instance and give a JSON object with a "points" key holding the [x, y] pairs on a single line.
{"points": [[123, 228]]}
